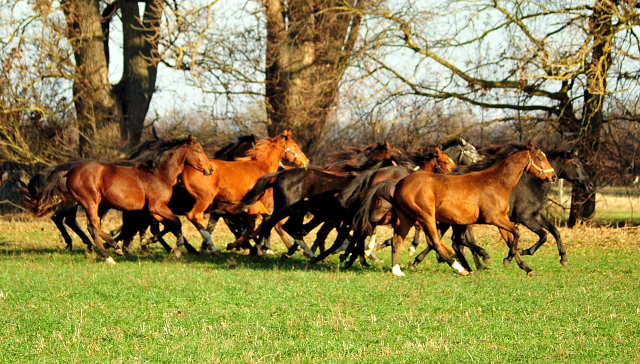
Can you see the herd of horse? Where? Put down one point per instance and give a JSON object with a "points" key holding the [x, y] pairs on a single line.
{"points": [[254, 185]]}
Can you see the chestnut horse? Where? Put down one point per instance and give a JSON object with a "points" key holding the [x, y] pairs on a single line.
{"points": [[146, 185], [478, 197], [231, 181]]}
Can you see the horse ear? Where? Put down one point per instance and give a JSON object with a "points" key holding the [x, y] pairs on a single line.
{"points": [[530, 146], [287, 133], [189, 139], [464, 142], [574, 153], [387, 145]]}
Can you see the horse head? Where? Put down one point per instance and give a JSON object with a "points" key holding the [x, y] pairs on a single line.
{"points": [[573, 171], [539, 165], [444, 162], [292, 152], [196, 157]]}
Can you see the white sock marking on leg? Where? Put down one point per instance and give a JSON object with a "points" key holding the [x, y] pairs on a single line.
{"points": [[396, 271]]}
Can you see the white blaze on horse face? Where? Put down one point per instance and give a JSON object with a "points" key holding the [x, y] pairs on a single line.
{"points": [[396, 271]]}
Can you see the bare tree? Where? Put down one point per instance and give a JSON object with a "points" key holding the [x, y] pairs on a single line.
{"points": [[545, 61]]}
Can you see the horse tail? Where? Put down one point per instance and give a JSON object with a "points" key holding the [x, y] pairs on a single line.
{"points": [[265, 182], [50, 196], [355, 188], [32, 193], [362, 219]]}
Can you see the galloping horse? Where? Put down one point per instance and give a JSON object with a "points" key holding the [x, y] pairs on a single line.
{"points": [[477, 197], [526, 206], [130, 188], [231, 181]]}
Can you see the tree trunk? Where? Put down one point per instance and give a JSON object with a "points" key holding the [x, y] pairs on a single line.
{"points": [[94, 97], [308, 50], [583, 203], [138, 82]]}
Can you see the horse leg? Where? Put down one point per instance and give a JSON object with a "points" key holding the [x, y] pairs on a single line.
{"points": [[196, 216], [58, 219], [556, 234], [95, 230], [321, 236], [428, 223], [463, 236], [343, 232], [537, 225], [71, 221], [416, 240], [384, 244], [355, 247], [154, 227], [402, 226], [511, 234], [282, 234]]}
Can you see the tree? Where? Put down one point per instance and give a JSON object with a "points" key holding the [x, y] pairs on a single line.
{"points": [[533, 60]]}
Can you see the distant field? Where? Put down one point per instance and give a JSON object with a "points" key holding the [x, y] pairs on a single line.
{"points": [[613, 204], [61, 307]]}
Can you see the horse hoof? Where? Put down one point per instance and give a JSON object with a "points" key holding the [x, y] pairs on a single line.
{"points": [[531, 274], [285, 256], [312, 260], [110, 261], [119, 252], [177, 253], [564, 263], [230, 246], [269, 252], [487, 261], [473, 273], [342, 257], [413, 266], [464, 272], [506, 262], [397, 271], [347, 265]]}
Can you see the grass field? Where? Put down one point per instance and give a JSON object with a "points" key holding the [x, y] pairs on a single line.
{"points": [[614, 205], [70, 307]]}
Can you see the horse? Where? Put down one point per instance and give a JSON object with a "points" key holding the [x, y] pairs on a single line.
{"points": [[47, 192], [231, 181], [429, 158], [181, 202], [477, 197], [527, 204], [461, 152], [295, 185], [146, 185]]}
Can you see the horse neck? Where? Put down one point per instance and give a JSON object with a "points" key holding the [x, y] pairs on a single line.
{"points": [[270, 161], [172, 165], [509, 170]]}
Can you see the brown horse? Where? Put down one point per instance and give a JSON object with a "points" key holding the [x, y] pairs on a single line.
{"points": [[147, 185], [231, 181], [478, 197]]}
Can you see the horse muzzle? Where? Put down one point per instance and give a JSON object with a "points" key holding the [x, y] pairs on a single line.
{"points": [[207, 172]]}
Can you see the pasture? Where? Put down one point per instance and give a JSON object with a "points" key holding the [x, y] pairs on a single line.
{"points": [[72, 307]]}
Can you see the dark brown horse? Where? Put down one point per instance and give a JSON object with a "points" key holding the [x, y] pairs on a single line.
{"points": [[478, 197], [231, 181], [131, 188]]}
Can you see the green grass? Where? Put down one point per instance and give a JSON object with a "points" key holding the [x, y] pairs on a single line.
{"points": [[62, 307]]}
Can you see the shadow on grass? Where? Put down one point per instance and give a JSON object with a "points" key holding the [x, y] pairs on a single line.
{"points": [[223, 260]]}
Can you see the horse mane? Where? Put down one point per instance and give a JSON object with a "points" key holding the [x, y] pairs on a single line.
{"points": [[262, 149], [150, 158], [427, 152], [246, 138], [354, 158], [559, 153], [452, 142], [492, 155]]}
